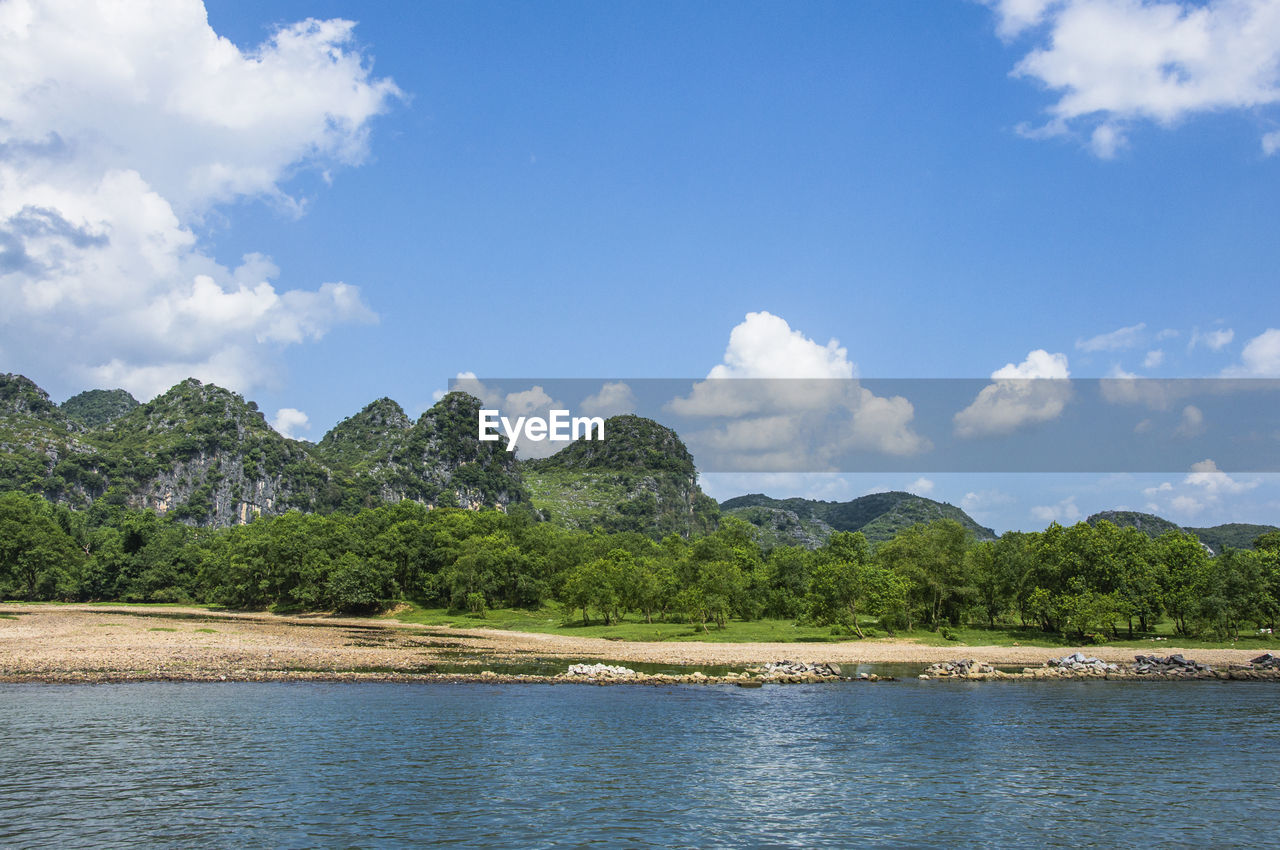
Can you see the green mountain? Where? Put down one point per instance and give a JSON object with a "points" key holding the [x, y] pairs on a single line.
{"points": [[640, 477], [1217, 538], [92, 408], [40, 448], [207, 456], [1233, 535], [1153, 525], [809, 522]]}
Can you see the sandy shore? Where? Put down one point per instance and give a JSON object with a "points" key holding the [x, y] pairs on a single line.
{"points": [[97, 642]]}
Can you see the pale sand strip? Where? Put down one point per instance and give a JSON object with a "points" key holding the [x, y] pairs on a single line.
{"points": [[165, 640]]}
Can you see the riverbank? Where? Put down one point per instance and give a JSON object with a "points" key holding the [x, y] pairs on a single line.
{"points": [[41, 642]]}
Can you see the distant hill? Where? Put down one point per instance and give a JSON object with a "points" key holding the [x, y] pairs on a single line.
{"points": [[1233, 535], [1218, 538], [809, 522], [1151, 524], [92, 408], [640, 477]]}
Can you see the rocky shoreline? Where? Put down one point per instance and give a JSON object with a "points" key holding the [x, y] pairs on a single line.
{"points": [[1265, 667], [1075, 666]]}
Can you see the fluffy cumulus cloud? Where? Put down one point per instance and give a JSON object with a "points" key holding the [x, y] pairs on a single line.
{"points": [[1260, 357], [122, 126], [1114, 63], [289, 421], [614, 399], [794, 403], [1192, 423], [1035, 390], [921, 486], [1205, 488]]}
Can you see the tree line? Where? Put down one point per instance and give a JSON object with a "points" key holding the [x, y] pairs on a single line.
{"points": [[1083, 581]]}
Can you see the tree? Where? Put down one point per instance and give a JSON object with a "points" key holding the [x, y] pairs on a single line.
{"points": [[37, 556], [931, 559], [1185, 576], [840, 582]]}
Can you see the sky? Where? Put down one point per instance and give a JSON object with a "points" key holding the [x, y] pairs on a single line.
{"points": [[320, 203]]}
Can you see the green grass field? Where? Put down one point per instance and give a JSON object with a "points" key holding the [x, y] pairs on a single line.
{"points": [[552, 620]]}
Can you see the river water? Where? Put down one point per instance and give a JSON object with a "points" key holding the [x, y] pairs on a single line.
{"points": [[910, 763]]}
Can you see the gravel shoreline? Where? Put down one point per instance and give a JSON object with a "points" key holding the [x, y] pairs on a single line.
{"points": [[102, 643]]}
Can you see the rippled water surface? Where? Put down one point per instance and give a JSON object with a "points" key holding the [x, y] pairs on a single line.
{"points": [[907, 763]]}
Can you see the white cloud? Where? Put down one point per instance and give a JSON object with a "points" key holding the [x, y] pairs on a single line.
{"points": [[1260, 358], [289, 421], [1214, 340], [1117, 340], [921, 486], [1153, 359], [122, 127], [1187, 506], [764, 346], [1064, 512], [1016, 16], [979, 502], [1205, 490], [1035, 390], [534, 401], [1214, 482], [1115, 63], [1192, 424], [794, 401], [1121, 387], [614, 399], [1271, 143]]}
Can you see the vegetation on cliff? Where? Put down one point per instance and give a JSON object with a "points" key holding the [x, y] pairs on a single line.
{"points": [[810, 522], [639, 478], [1218, 538], [204, 455]]}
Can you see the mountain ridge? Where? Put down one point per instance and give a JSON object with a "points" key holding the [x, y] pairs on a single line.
{"points": [[878, 516]]}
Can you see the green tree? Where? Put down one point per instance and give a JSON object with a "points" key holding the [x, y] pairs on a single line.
{"points": [[38, 558]]}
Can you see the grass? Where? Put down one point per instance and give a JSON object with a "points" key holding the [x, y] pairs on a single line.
{"points": [[208, 631], [552, 620], [161, 629]]}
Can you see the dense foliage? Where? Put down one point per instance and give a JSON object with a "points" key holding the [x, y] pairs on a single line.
{"points": [[1091, 582], [92, 408], [879, 516]]}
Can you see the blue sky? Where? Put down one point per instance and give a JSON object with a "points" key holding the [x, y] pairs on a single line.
{"points": [[607, 190]]}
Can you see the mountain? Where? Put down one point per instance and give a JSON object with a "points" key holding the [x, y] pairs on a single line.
{"points": [[1153, 525], [1233, 535], [92, 408], [809, 522], [208, 457], [1217, 539], [640, 477], [386, 457]]}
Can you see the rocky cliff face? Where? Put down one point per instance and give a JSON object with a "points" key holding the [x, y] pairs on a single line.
{"points": [[438, 460]]}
